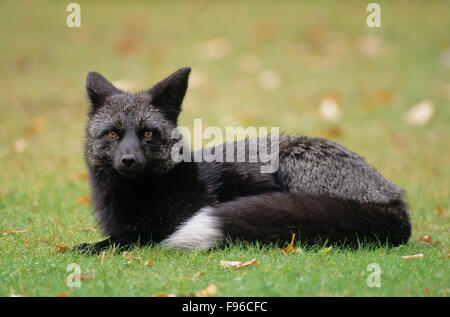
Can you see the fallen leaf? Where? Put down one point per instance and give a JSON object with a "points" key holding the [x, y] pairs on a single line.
{"points": [[269, 80], [226, 264], [125, 254], [441, 211], [164, 295], [329, 109], [334, 131], [420, 114], [210, 290], [214, 49], [425, 239], [248, 263], [148, 262], [62, 248], [11, 230], [415, 256], [78, 176], [86, 276], [197, 275], [84, 200], [238, 264], [63, 160], [126, 46], [249, 63], [264, 29], [20, 145], [290, 248], [370, 45], [36, 125], [383, 96], [89, 229], [62, 295]]}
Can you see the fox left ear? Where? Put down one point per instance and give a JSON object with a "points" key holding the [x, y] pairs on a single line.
{"points": [[168, 94], [98, 89]]}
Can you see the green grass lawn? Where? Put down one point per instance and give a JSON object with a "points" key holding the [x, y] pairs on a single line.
{"points": [[309, 51]]}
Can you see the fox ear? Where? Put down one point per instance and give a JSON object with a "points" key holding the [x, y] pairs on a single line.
{"points": [[168, 94], [98, 89]]}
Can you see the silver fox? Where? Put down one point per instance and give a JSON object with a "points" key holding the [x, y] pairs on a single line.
{"points": [[322, 192]]}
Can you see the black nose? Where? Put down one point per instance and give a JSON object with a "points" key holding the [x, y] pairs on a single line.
{"points": [[128, 160]]}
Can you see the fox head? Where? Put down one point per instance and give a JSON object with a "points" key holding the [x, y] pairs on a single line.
{"points": [[130, 133]]}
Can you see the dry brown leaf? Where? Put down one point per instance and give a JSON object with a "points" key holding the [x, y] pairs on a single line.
{"points": [[89, 229], [164, 295], [126, 45], [334, 131], [61, 248], [210, 290], [84, 200], [197, 275], [425, 239], [441, 211], [63, 160], [11, 230], [415, 256], [75, 177], [290, 248], [86, 276], [248, 263], [238, 264], [62, 295], [125, 254], [383, 96], [36, 125], [148, 262], [264, 29]]}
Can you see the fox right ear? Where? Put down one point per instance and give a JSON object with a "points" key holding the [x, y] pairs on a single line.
{"points": [[98, 89]]}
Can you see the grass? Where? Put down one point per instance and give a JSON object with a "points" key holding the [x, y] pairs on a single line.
{"points": [[376, 74]]}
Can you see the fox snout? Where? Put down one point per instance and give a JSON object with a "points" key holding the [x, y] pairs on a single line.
{"points": [[129, 159], [129, 164]]}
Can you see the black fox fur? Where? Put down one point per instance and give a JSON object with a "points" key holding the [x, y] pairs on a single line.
{"points": [[321, 191]]}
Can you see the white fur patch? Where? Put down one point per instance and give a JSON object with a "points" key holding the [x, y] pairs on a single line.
{"points": [[201, 231]]}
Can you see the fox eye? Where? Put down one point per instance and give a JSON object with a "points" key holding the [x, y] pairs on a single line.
{"points": [[148, 134], [113, 134]]}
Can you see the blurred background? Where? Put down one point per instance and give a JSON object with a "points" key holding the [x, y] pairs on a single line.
{"points": [[308, 67]]}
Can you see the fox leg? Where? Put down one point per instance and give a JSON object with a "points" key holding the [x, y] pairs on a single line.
{"points": [[97, 247]]}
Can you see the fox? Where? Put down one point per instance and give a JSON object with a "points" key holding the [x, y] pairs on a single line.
{"points": [[321, 191]]}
